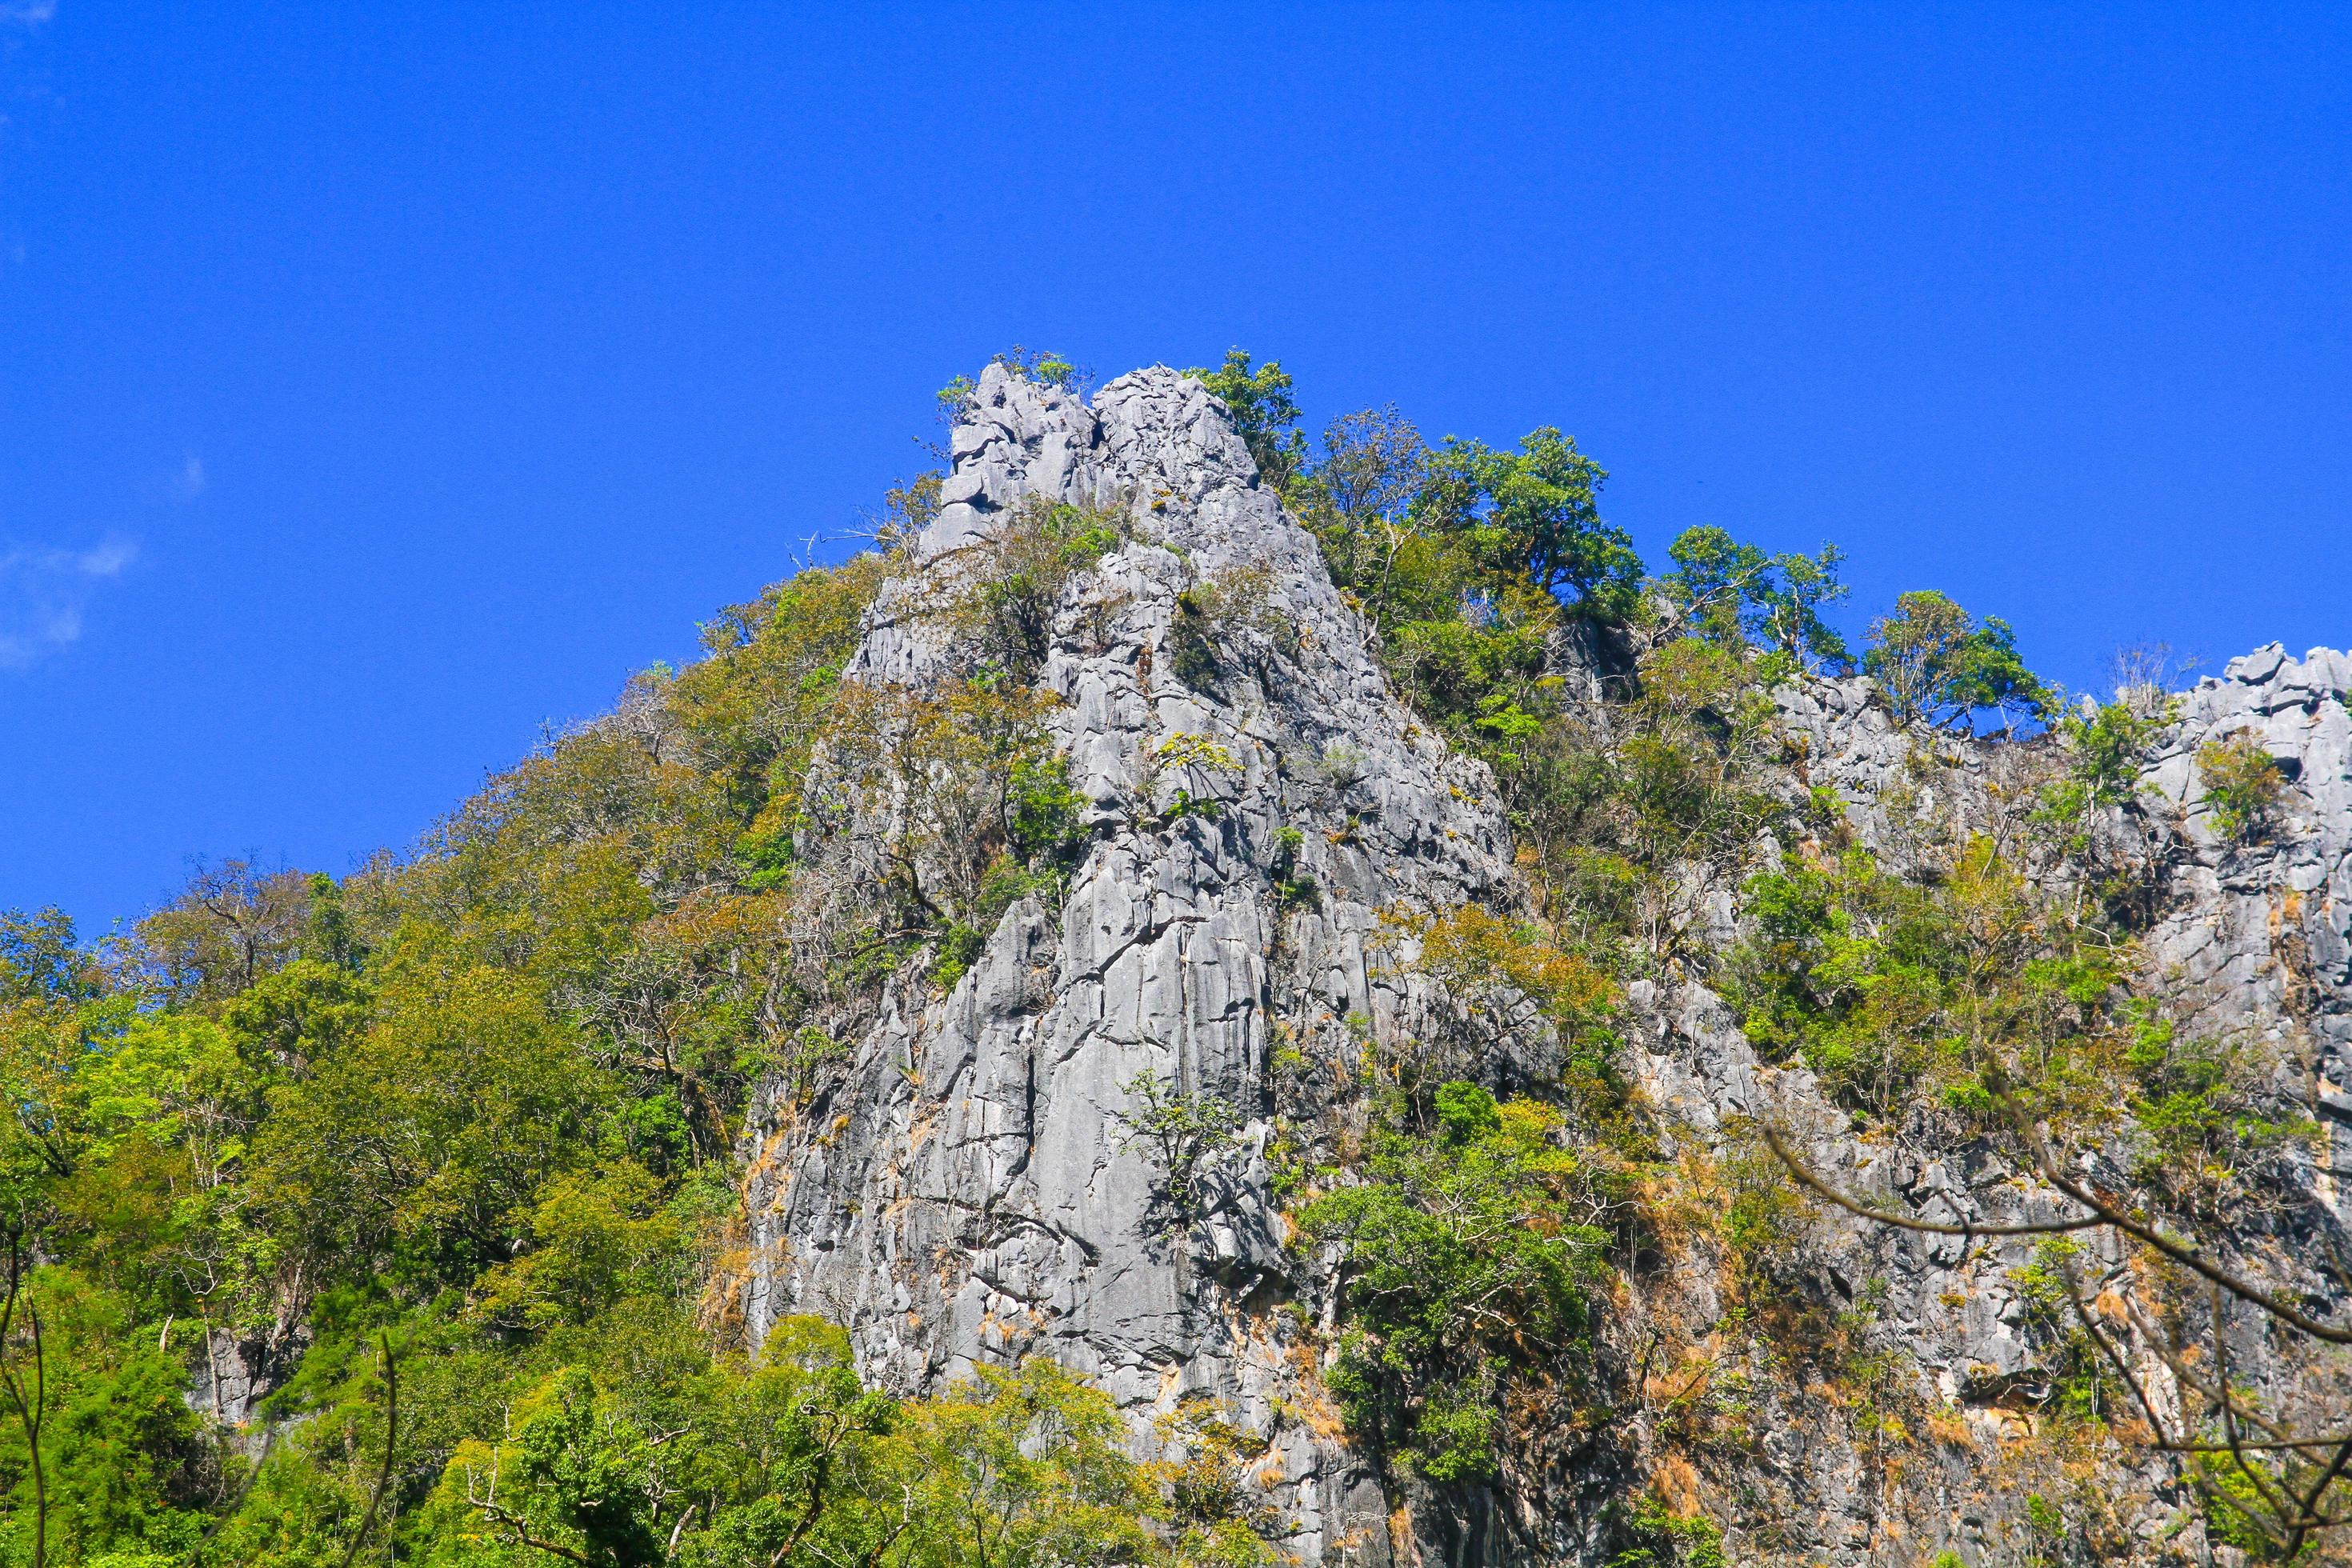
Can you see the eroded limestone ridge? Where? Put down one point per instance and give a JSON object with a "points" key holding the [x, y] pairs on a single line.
{"points": [[983, 1200], [972, 1189]]}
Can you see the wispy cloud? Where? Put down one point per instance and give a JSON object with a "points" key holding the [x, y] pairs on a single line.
{"points": [[27, 12], [184, 483], [43, 591]]}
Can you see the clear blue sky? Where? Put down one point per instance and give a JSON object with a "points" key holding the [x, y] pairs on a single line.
{"points": [[379, 382]]}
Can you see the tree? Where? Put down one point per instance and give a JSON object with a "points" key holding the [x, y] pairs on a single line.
{"points": [[1727, 590], [1359, 503], [23, 1377], [42, 962], [1264, 414], [1937, 664], [414, 1148], [1535, 512], [1029, 1468], [233, 923], [1465, 1260]]}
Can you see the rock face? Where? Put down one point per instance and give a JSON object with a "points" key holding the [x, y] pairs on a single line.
{"points": [[970, 1191], [2262, 937], [2249, 944]]}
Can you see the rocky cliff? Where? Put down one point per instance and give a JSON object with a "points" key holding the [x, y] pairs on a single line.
{"points": [[974, 1185]]}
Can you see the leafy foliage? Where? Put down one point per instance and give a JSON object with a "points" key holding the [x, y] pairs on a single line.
{"points": [[791, 1459], [1727, 593], [2104, 747], [484, 1105], [1937, 664], [1468, 1253], [1532, 515], [1264, 414], [2243, 785], [1179, 1128], [1892, 989], [1657, 1537]]}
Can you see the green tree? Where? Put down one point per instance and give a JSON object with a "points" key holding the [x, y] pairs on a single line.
{"points": [[1937, 664], [41, 961], [415, 1147], [1728, 592], [1264, 414], [1465, 1262], [1534, 514]]}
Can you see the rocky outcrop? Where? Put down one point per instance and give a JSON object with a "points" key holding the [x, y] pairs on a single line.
{"points": [[970, 1193], [2261, 936], [2248, 942], [969, 1190]]}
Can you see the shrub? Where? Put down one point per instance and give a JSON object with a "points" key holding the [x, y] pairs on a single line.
{"points": [[1264, 414], [1013, 586], [2104, 750], [1654, 1536], [1466, 1256], [2243, 787], [2082, 1387], [1892, 989], [1498, 970], [1179, 1128], [2201, 1127]]}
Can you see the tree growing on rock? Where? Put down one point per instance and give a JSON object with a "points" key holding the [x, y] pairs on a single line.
{"points": [[1940, 664]]}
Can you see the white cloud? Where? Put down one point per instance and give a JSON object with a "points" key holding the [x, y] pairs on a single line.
{"points": [[42, 592], [27, 12], [178, 486]]}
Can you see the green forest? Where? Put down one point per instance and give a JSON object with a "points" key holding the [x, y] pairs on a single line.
{"points": [[398, 1218]]}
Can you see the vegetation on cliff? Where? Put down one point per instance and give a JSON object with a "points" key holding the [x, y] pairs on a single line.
{"points": [[398, 1216]]}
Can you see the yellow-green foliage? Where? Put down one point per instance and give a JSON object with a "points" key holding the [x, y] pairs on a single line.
{"points": [[1654, 1536], [1895, 990], [1617, 828], [790, 1459], [2243, 785], [1497, 969], [127, 1462], [2103, 752], [1184, 750], [2203, 1119], [590, 1240], [755, 706]]}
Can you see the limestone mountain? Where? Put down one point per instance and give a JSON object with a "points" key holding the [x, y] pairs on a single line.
{"points": [[971, 1187], [1221, 1000]]}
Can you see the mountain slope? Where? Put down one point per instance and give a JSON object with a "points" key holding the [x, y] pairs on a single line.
{"points": [[983, 1182]]}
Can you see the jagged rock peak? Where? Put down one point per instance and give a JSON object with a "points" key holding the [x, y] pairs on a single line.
{"points": [[1151, 435], [968, 1192]]}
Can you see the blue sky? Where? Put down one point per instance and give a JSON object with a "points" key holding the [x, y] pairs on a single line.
{"points": [[379, 384]]}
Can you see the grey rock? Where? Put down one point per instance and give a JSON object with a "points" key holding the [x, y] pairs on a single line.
{"points": [[966, 1193], [981, 1202]]}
